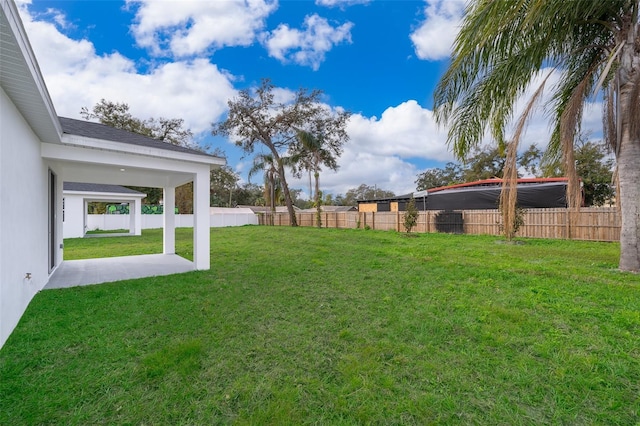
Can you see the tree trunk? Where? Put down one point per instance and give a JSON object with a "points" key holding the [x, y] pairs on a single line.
{"points": [[287, 194], [628, 156], [318, 207], [628, 198]]}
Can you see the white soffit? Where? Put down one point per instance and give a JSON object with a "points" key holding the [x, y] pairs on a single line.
{"points": [[20, 76]]}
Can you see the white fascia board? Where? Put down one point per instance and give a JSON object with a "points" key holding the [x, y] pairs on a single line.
{"points": [[104, 195], [52, 125], [121, 158], [84, 142]]}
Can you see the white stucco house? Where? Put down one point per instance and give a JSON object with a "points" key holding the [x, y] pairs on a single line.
{"points": [[76, 197], [39, 151]]}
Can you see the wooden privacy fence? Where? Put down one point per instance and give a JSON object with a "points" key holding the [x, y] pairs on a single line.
{"points": [[590, 223]]}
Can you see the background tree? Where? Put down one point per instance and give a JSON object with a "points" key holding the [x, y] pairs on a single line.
{"points": [[595, 169], [328, 200], [116, 114], [298, 201], [410, 217], [436, 177], [314, 149], [223, 185], [248, 194], [184, 198], [267, 164], [530, 161], [483, 163], [500, 51], [363, 192], [257, 119]]}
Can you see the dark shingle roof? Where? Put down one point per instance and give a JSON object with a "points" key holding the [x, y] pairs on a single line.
{"points": [[98, 187], [263, 209], [100, 131], [338, 209]]}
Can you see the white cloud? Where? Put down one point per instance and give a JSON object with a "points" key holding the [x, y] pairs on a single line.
{"points": [[379, 150], [192, 27], [390, 173], [340, 3], [434, 38], [196, 91], [306, 47], [407, 131]]}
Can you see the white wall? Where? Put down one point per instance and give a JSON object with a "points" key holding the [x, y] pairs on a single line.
{"points": [[76, 205], [151, 221], [23, 217], [74, 217]]}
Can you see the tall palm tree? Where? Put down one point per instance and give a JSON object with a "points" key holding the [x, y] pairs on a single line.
{"points": [[312, 151], [505, 46]]}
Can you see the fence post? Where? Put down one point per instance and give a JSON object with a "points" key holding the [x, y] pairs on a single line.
{"points": [[463, 223], [373, 220], [398, 221]]}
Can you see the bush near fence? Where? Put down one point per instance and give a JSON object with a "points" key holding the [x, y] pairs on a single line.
{"points": [[590, 223]]}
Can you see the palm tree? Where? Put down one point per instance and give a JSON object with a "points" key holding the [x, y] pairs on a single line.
{"points": [[272, 183], [312, 151], [505, 46]]}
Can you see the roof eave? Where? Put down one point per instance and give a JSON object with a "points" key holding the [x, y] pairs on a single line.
{"points": [[106, 145], [21, 78]]}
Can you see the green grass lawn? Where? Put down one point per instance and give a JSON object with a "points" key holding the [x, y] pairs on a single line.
{"points": [[150, 242], [325, 326], [107, 231]]}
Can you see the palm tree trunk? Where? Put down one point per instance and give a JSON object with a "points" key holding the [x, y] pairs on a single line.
{"points": [[509, 192], [316, 175], [628, 197], [628, 157]]}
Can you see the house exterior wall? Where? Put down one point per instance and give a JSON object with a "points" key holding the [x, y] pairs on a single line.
{"points": [[23, 217], [73, 216]]}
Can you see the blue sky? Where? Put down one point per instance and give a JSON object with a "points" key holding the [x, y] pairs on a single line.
{"points": [[184, 59]]}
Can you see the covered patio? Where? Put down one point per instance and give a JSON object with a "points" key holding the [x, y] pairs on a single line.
{"points": [[97, 154], [72, 273]]}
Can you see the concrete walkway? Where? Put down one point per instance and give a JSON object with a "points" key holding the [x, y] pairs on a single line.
{"points": [[73, 273]]}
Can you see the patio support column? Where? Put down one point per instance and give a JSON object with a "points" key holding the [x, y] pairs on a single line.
{"points": [[135, 214], [85, 216], [201, 220], [169, 216], [132, 218]]}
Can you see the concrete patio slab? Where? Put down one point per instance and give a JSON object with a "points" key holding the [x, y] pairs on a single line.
{"points": [[72, 273]]}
